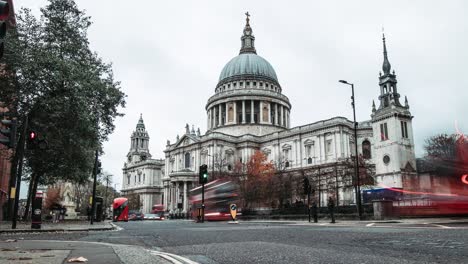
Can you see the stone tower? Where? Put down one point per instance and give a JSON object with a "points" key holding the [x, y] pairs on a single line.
{"points": [[393, 131], [139, 150]]}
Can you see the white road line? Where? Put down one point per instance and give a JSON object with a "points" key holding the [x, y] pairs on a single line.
{"points": [[173, 256], [441, 226], [166, 257], [371, 224], [117, 228]]}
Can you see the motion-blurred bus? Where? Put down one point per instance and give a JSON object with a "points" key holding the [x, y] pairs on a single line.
{"points": [[120, 209], [159, 211], [219, 194]]}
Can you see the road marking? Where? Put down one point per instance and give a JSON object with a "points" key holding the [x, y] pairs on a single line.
{"points": [[176, 259], [371, 224], [441, 226], [117, 228], [166, 257]]}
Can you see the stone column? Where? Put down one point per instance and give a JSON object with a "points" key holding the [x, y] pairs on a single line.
{"points": [[243, 111], [226, 115], [185, 197], [282, 116], [276, 114], [251, 111], [235, 112], [269, 114], [219, 115], [176, 193], [211, 118], [260, 105]]}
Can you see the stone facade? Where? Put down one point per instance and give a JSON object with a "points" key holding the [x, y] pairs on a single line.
{"points": [[141, 174], [249, 112]]}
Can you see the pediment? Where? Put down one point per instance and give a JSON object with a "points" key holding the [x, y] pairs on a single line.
{"points": [[186, 140], [309, 142], [286, 146]]}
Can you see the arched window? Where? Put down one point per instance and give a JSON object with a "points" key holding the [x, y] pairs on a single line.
{"points": [[309, 161], [366, 149], [187, 160]]}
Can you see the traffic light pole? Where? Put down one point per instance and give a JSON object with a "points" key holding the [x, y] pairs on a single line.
{"points": [[93, 201], [203, 203], [308, 201], [20, 150]]}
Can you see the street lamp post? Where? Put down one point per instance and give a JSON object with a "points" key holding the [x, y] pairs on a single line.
{"points": [[356, 165]]}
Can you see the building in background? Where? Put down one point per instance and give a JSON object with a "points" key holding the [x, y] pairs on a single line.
{"points": [[5, 153], [141, 174], [250, 112]]}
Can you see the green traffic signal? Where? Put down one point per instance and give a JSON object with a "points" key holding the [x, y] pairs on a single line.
{"points": [[203, 174]]}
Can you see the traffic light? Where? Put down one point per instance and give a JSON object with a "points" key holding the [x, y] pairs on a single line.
{"points": [[8, 132], [99, 167], [306, 185], [36, 141], [4, 13], [203, 174], [31, 139]]}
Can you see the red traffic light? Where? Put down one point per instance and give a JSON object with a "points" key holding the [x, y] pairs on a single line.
{"points": [[32, 135]]}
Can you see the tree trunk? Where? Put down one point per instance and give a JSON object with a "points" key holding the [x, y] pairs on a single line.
{"points": [[28, 201]]}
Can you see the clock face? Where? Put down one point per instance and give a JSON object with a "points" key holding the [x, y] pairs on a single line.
{"points": [[386, 159]]}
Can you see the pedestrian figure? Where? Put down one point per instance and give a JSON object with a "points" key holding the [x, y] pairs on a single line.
{"points": [[331, 207], [314, 211]]}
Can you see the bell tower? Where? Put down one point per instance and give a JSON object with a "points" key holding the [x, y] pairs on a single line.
{"points": [[392, 131], [139, 150]]}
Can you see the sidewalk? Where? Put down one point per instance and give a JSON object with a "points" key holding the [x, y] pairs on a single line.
{"points": [[22, 227], [57, 252], [402, 221]]}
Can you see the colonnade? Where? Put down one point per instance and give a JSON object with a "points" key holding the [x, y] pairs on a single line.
{"points": [[177, 193], [248, 112]]}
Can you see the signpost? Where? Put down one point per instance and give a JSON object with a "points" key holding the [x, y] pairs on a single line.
{"points": [[233, 211]]}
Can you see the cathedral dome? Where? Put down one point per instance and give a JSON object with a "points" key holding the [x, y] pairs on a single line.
{"points": [[248, 64]]}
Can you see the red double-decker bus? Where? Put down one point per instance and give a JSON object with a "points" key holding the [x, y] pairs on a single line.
{"points": [[120, 209], [219, 194]]}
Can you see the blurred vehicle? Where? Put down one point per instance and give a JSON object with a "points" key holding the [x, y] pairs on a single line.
{"points": [[135, 215], [219, 194], [158, 216], [158, 208], [120, 209]]}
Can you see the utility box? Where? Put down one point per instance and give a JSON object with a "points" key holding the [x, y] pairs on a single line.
{"points": [[36, 212], [98, 210]]}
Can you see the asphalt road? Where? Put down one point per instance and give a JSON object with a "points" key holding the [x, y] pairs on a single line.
{"points": [[247, 242]]}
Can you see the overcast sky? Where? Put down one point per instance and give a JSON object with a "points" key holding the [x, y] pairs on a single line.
{"points": [[168, 56]]}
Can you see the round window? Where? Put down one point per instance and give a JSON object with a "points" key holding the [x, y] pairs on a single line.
{"points": [[386, 159]]}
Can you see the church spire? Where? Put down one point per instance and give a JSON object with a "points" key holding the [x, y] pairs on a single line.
{"points": [[386, 64], [140, 123], [247, 39]]}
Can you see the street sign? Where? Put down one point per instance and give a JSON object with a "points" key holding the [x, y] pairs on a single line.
{"points": [[233, 209]]}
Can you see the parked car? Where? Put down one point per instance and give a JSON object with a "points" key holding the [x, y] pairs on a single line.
{"points": [[135, 215], [158, 216]]}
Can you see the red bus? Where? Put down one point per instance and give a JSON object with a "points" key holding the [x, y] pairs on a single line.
{"points": [[219, 194], [158, 209], [120, 209]]}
